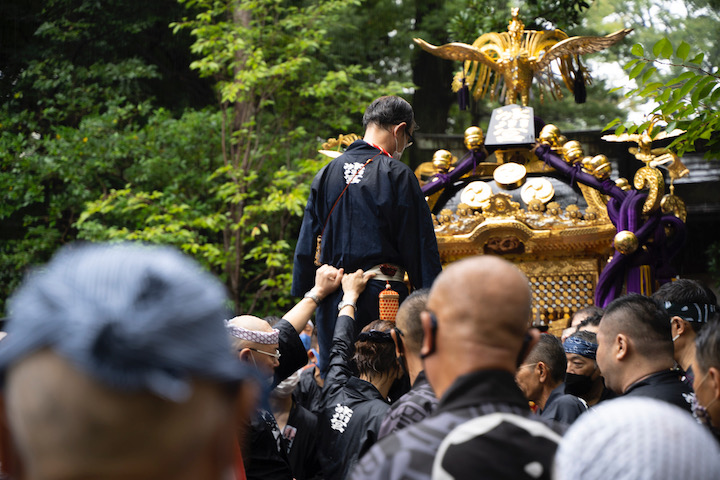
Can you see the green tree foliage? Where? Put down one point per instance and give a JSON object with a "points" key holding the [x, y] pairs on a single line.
{"points": [[76, 78], [278, 94], [688, 101]]}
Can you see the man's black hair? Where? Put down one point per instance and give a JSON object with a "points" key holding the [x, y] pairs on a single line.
{"points": [[549, 350], [707, 347], [687, 291], [593, 320], [388, 111], [644, 320], [410, 310]]}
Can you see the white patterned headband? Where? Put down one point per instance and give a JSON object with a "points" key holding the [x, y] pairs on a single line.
{"points": [[266, 338]]}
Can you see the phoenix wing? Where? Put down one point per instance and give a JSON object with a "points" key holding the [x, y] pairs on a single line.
{"points": [[460, 52], [580, 46]]}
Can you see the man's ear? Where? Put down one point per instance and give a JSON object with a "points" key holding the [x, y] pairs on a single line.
{"points": [[394, 335], [714, 377], [398, 127], [543, 372], [428, 343], [244, 354], [621, 346], [678, 325]]}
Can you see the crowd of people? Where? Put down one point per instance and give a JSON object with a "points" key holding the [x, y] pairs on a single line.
{"points": [[122, 361]]}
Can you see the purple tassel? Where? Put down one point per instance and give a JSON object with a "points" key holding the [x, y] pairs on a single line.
{"points": [[464, 96]]}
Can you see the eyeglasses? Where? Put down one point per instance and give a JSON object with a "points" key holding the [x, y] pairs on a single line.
{"points": [[527, 365], [411, 141], [275, 355]]}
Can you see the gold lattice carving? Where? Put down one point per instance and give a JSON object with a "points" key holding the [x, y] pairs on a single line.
{"points": [[560, 288]]}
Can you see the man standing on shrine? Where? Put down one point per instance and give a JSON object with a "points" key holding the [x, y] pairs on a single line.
{"points": [[366, 211]]}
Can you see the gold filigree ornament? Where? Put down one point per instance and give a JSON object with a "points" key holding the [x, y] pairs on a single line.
{"points": [[574, 212], [652, 179], [476, 194], [623, 184], [332, 148], [554, 209], [537, 189], [671, 203], [501, 205], [510, 175]]}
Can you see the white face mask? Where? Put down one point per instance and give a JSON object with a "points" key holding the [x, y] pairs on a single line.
{"points": [[675, 337], [397, 155]]}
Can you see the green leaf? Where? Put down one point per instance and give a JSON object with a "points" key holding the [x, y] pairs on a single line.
{"points": [[648, 73], [702, 90], [631, 63], [661, 48], [637, 50], [636, 70], [683, 50]]}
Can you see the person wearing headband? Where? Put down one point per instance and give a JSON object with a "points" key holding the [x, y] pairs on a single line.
{"points": [[690, 305], [583, 378], [353, 406], [635, 351], [117, 365], [541, 376], [275, 353]]}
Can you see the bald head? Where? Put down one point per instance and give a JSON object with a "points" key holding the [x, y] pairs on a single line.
{"points": [[250, 322], [255, 342], [482, 305], [67, 425], [484, 299]]}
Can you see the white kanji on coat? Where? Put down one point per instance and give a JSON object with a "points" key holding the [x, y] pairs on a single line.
{"points": [[340, 418], [352, 172]]}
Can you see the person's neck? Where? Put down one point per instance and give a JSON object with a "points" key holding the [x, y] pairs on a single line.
{"points": [[687, 355], [279, 405], [415, 366], [595, 394], [381, 137], [381, 383], [643, 370], [544, 395]]}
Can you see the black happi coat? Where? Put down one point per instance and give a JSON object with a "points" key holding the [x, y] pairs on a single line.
{"points": [[352, 409], [381, 218]]}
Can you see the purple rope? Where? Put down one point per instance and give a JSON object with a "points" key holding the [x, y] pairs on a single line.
{"points": [[469, 161], [545, 153]]}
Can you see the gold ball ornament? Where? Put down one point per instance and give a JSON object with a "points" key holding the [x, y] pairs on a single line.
{"points": [[626, 242], [442, 160], [474, 138], [572, 151], [598, 166], [549, 135]]}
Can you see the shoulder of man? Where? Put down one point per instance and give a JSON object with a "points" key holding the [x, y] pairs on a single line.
{"points": [[503, 445], [407, 453]]}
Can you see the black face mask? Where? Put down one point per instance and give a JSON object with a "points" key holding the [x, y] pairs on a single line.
{"points": [[577, 384]]}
